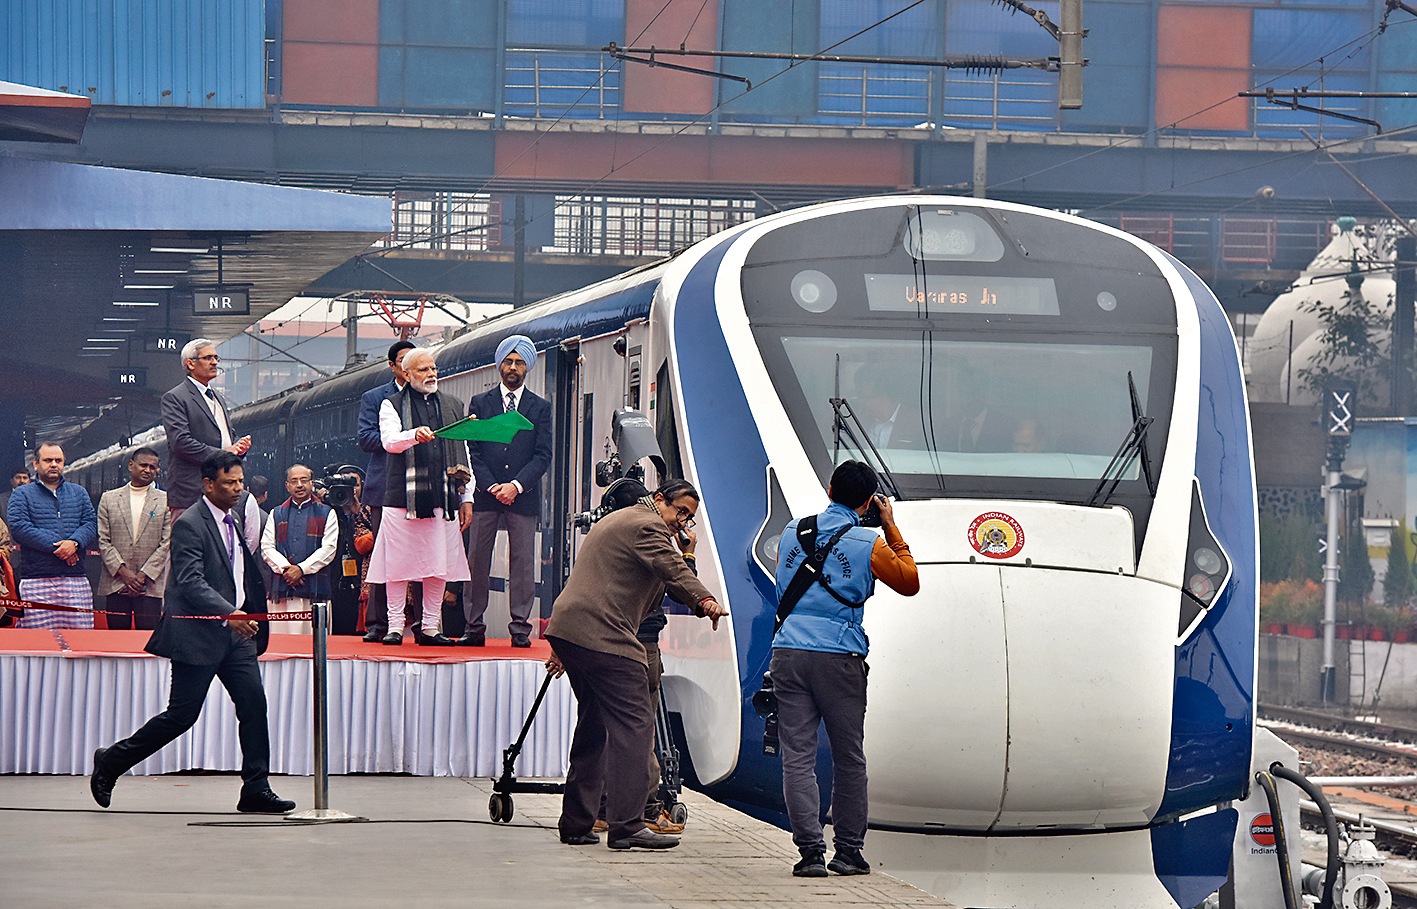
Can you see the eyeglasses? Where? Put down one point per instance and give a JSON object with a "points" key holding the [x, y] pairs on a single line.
{"points": [[210, 358], [685, 516]]}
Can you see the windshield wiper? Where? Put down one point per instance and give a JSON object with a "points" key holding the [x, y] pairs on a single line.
{"points": [[1133, 446], [843, 417]]}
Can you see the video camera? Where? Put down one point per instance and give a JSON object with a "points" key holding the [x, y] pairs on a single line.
{"points": [[336, 487], [632, 439]]}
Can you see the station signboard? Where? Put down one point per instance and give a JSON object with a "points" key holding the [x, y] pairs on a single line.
{"points": [[222, 301]]}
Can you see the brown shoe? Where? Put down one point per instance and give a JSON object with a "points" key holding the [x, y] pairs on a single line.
{"points": [[664, 824], [600, 826]]}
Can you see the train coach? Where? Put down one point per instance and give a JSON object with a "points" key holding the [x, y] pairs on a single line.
{"points": [[1057, 408]]}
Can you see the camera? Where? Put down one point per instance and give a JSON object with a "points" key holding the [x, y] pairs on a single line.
{"points": [[337, 485], [622, 492], [765, 705], [872, 517]]}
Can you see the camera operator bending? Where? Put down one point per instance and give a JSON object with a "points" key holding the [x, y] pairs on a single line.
{"points": [[819, 661], [622, 571], [299, 543]]}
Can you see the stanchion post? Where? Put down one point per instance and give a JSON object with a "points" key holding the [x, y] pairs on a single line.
{"points": [[320, 619]]}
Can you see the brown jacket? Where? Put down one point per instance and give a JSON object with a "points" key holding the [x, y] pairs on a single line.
{"points": [[621, 573]]}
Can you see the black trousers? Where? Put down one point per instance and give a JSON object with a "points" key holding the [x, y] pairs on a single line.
{"points": [[614, 733], [190, 683], [145, 611]]}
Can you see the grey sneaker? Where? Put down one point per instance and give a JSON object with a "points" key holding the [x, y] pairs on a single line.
{"points": [[645, 839]]}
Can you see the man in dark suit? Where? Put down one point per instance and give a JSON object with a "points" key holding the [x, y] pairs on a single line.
{"points": [[195, 418], [508, 479], [213, 574], [376, 613]]}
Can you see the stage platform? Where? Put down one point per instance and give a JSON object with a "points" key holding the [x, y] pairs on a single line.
{"points": [[176, 841], [427, 711]]}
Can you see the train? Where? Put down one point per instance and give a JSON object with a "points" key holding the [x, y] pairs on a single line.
{"points": [[1066, 712]]}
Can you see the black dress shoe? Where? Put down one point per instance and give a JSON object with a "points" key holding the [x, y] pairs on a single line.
{"points": [[521, 640], [373, 636], [100, 783], [264, 802], [580, 839], [393, 639], [431, 640], [472, 639]]}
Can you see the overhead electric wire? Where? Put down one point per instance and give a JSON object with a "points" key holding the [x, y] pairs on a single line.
{"points": [[1128, 140]]}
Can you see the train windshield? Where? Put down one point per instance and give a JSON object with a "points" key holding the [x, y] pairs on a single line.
{"points": [[969, 352], [969, 408]]}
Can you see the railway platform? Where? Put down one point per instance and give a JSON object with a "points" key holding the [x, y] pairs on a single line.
{"points": [[176, 840]]}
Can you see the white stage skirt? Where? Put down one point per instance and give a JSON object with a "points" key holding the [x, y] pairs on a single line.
{"points": [[426, 719]]}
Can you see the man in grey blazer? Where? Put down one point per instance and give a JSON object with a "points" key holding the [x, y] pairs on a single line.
{"points": [[204, 631], [195, 417], [134, 526]]}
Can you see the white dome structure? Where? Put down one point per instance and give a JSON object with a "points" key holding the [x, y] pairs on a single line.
{"points": [[1272, 369]]}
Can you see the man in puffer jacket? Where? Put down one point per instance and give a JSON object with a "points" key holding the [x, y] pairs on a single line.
{"points": [[54, 523]]}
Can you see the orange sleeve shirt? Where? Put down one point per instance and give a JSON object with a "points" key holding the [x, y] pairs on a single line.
{"points": [[893, 565]]}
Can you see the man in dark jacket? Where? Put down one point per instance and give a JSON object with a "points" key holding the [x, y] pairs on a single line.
{"points": [[195, 418], [508, 479], [214, 580], [54, 523]]}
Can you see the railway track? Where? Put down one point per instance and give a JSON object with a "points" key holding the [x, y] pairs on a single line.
{"points": [[1319, 719]]}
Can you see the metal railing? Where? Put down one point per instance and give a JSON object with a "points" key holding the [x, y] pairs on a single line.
{"points": [[550, 82], [583, 225]]}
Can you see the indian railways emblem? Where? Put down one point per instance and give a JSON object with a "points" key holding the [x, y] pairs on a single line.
{"points": [[996, 535]]}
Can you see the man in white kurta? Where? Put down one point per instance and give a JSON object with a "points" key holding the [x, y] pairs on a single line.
{"points": [[427, 500]]}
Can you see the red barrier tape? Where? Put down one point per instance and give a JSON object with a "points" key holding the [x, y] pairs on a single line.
{"points": [[18, 604]]}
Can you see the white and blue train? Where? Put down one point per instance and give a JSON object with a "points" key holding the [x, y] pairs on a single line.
{"points": [[1065, 714]]}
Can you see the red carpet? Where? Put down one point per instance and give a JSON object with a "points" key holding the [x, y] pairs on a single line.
{"points": [[85, 643]]}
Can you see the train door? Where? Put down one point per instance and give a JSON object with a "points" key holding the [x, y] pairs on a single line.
{"points": [[611, 378]]}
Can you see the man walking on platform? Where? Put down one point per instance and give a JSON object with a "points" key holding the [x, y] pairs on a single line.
{"points": [[508, 478], [204, 631], [819, 660], [54, 523], [195, 418], [134, 527], [299, 543], [376, 614]]}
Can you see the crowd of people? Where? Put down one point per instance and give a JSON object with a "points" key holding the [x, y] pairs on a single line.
{"points": [[206, 547]]}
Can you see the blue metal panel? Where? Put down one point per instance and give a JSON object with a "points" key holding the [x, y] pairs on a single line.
{"points": [[555, 23], [1272, 120], [1014, 99], [1289, 38], [771, 25], [146, 53], [1116, 83], [444, 77]]}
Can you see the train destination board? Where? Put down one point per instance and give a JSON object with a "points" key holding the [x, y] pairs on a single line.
{"points": [[962, 293]]}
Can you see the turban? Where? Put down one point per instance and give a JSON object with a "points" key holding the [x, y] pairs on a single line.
{"points": [[522, 345]]}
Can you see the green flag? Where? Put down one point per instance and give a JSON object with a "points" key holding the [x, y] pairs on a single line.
{"points": [[500, 428]]}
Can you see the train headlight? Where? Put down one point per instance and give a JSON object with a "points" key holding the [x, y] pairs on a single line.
{"points": [[960, 236], [1207, 569], [813, 291]]}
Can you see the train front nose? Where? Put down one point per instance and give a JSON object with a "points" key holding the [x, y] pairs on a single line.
{"points": [[1005, 696]]}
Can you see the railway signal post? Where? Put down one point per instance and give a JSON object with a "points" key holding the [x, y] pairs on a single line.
{"points": [[1340, 400]]}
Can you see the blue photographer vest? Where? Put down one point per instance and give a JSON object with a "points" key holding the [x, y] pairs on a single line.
{"points": [[299, 532], [820, 621]]}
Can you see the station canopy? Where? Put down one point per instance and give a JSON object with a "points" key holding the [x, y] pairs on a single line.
{"points": [[106, 271]]}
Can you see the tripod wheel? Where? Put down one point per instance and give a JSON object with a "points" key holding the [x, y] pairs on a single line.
{"points": [[499, 808], [679, 813]]}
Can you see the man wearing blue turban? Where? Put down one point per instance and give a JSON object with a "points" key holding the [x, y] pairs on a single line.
{"points": [[508, 494]]}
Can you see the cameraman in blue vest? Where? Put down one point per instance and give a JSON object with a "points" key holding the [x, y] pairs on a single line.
{"points": [[299, 543], [819, 660]]}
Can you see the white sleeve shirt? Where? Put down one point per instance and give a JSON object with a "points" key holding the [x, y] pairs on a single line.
{"points": [[318, 559]]}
